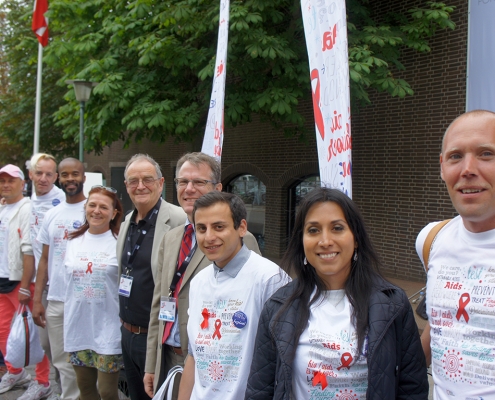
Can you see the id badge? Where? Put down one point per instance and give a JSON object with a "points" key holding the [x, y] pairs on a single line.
{"points": [[167, 309], [125, 285]]}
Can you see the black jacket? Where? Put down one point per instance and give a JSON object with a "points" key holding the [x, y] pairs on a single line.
{"points": [[396, 363]]}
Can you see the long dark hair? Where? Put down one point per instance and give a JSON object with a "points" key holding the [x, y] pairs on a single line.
{"points": [[364, 270], [114, 223]]}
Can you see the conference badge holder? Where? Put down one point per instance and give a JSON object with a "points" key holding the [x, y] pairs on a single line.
{"points": [[167, 309], [125, 285]]}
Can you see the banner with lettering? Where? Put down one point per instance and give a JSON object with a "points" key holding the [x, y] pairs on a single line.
{"points": [[325, 28], [213, 140], [481, 56]]}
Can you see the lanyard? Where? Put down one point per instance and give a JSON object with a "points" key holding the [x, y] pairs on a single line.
{"points": [[144, 230], [181, 271]]}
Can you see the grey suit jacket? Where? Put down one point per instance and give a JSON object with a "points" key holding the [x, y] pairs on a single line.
{"points": [[169, 251], [169, 216]]}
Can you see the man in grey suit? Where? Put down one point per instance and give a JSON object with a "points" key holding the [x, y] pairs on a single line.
{"points": [[137, 252], [196, 175]]}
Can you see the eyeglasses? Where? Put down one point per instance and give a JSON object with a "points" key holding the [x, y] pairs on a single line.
{"points": [[134, 183], [107, 188], [197, 183]]}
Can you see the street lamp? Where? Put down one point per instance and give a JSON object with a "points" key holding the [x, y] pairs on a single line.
{"points": [[83, 91]]}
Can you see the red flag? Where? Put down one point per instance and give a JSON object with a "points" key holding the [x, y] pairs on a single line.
{"points": [[40, 22]]}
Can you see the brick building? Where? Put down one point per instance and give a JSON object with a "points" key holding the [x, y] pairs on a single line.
{"points": [[396, 146]]}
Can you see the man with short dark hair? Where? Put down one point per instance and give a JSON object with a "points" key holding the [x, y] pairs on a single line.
{"points": [[459, 338], [16, 274], [196, 175], [137, 252], [225, 301]]}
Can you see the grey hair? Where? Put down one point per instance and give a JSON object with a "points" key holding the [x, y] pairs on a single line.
{"points": [[143, 157], [199, 158], [36, 158]]}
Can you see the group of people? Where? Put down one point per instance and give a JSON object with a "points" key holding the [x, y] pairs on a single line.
{"points": [[186, 285]]}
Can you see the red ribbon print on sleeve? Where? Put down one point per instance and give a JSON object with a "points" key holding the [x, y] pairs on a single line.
{"points": [[463, 302]]}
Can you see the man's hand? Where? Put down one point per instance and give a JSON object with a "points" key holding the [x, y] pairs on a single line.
{"points": [[148, 381], [24, 298], [39, 314]]}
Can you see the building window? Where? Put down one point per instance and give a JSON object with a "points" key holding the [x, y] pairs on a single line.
{"points": [[296, 192], [253, 192]]}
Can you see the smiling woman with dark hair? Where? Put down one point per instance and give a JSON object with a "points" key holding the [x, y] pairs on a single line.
{"points": [[340, 330]]}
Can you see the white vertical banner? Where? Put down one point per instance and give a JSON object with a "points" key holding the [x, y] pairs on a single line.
{"points": [[481, 56], [325, 28], [213, 140]]}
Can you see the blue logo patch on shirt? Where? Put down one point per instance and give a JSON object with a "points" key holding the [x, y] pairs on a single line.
{"points": [[76, 224], [55, 202], [239, 319]]}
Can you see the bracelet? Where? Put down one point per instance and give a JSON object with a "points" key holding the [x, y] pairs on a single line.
{"points": [[25, 292]]}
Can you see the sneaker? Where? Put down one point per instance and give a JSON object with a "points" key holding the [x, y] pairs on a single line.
{"points": [[10, 380], [36, 391]]}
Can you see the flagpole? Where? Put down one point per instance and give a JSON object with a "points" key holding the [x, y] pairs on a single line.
{"points": [[37, 114]]}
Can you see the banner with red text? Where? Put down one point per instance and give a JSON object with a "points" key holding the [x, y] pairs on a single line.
{"points": [[325, 29], [481, 56], [213, 140]]}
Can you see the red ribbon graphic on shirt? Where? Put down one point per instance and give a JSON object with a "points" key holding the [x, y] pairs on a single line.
{"points": [[316, 103], [205, 314], [90, 265], [36, 220], [218, 324], [66, 234], [346, 361], [319, 377], [463, 302]]}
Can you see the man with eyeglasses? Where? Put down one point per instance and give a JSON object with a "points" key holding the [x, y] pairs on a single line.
{"points": [[137, 252], [196, 175], [58, 223], [45, 196]]}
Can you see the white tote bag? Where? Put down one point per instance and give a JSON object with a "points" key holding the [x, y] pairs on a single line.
{"points": [[23, 345], [166, 390]]}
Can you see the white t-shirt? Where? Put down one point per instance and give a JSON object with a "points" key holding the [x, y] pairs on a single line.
{"points": [[91, 309], [327, 364], [39, 206], [223, 351], [460, 301], [6, 213], [58, 223]]}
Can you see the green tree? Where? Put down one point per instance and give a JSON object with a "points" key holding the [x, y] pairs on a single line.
{"points": [[154, 62]]}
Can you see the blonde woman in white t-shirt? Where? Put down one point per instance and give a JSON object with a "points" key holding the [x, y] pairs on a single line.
{"points": [[340, 330], [91, 312]]}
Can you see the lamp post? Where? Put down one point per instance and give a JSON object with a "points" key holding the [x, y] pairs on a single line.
{"points": [[83, 91]]}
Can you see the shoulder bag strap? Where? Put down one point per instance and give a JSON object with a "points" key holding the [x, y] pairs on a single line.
{"points": [[430, 239]]}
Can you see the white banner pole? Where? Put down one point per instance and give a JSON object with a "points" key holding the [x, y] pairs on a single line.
{"points": [[213, 139], [37, 114], [325, 28]]}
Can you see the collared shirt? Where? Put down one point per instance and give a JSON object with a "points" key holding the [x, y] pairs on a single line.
{"points": [[136, 308], [234, 266]]}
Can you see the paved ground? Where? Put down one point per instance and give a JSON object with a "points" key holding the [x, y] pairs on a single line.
{"points": [[409, 287]]}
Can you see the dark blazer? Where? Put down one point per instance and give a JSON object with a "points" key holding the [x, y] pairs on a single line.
{"points": [[396, 362]]}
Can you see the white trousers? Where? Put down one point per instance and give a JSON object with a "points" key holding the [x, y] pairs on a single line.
{"points": [[55, 326]]}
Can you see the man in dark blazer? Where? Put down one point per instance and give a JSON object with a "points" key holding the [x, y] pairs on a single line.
{"points": [[138, 247], [196, 174]]}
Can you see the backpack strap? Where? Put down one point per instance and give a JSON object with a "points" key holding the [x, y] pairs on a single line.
{"points": [[430, 239]]}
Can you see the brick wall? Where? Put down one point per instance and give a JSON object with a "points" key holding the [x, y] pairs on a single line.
{"points": [[396, 144]]}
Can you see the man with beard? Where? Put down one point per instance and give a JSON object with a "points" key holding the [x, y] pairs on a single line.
{"points": [[59, 222]]}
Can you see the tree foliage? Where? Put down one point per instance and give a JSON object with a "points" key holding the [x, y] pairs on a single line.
{"points": [[154, 62]]}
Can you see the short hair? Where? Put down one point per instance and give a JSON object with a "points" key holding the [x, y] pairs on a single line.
{"points": [[36, 158], [143, 157], [235, 203], [473, 113], [199, 158], [73, 160]]}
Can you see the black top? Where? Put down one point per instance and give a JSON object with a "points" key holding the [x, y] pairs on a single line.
{"points": [[136, 308]]}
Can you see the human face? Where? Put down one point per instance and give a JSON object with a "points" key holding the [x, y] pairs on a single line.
{"points": [[215, 233], [143, 197], [328, 243], [43, 176], [11, 188], [468, 170], [71, 178], [188, 195], [99, 212]]}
